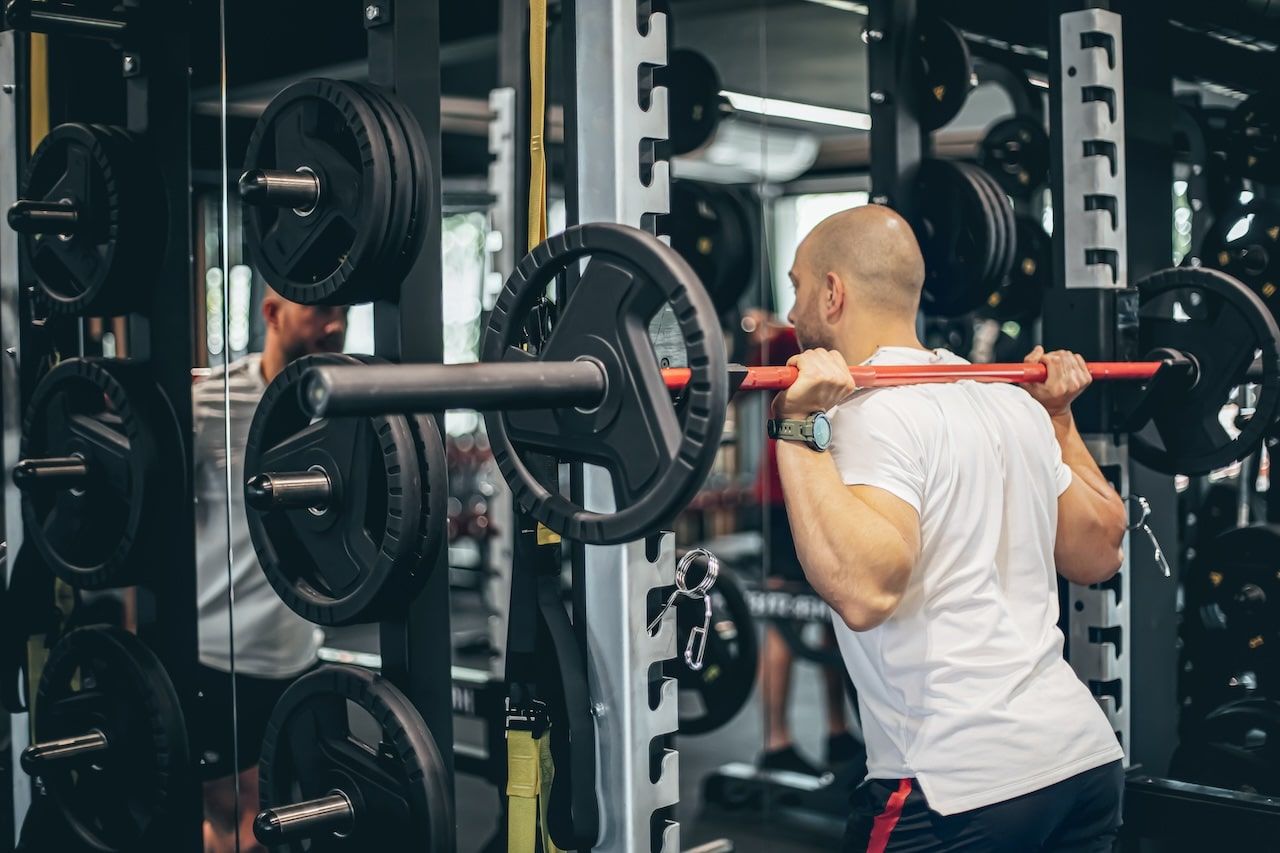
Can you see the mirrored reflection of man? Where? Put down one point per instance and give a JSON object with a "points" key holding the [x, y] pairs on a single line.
{"points": [[273, 645]]}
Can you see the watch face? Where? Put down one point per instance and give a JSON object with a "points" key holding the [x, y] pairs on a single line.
{"points": [[821, 431]]}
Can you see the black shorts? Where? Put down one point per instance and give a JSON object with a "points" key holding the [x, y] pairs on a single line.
{"points": [[221, 750], [780, 547], [1080, 815]]}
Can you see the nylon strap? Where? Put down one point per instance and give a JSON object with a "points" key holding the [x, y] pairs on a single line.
{"points": [[530, 773], [537, 122]]}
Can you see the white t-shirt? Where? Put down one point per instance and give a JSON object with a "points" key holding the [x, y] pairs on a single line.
{"points": [[271, 640], [964, 687]]}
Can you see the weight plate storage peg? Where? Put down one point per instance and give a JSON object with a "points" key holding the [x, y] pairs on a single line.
{"points": [[110, 742], [335, 506], [335, 187], [92, 220], [1245, 242], [1229, 333], [348, 764], [100, 466]]}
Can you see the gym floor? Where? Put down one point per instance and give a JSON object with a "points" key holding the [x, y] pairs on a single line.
{"points": [[751, 830]]}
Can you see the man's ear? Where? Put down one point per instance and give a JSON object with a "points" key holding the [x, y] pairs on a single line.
{"points": [[834, 295], [271, 312]]}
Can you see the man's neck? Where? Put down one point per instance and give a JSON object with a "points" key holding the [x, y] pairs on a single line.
{"points": [[272, 363], [862, 342]]}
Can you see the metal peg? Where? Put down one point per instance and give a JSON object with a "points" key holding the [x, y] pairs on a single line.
{"points": [[44, 217], [311, 489], [299, 190], [62, 749], [66, 471], [332, 813]]}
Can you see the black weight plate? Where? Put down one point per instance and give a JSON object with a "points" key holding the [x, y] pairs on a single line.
{"points": [[323, 257], [1021, 293], [1002, 236], [356, 559], [1254, 138], [944, 72], [1236, 747], [657, 450], [433, 470], [402, 196], [383, 758], [28, 608], [709, 229], [1222, 186], [1245, 243], [954, 223], [107, 679], [713, 696], [1236, 591], [693, 99], [1015, 151], [405, 245], [1221, 324], [101, 533], [83, 273]]}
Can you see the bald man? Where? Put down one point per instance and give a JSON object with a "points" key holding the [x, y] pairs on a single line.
{"points": [[273, 645], [932, 519]]}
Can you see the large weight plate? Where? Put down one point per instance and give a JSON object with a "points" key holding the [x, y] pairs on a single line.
{"points": [[694, 101], [356, 558], [347, 729], [657, 450], [1021, 294], [107, 679], [103, 267], [1223, 326], [944, 72], [709, 229], [1245, 242], [955, 224], [1004, 238], [101, 532], [712, 696], [1236, 747], [327, 255], [1015, 151]]}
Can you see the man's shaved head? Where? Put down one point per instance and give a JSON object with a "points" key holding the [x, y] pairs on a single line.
{"points": [[861, 261]]}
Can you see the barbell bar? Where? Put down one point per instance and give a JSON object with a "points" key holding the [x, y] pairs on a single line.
{"points": [[364, 390]]}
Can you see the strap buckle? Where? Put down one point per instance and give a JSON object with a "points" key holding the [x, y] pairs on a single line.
{"points": [[532, 718]]}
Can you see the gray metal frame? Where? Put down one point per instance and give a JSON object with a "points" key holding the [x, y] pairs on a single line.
{"points": [[10, 383], [610, 126], [1094, 202]]}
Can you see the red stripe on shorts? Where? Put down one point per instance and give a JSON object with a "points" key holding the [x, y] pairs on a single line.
{"points": [[888, 819]]}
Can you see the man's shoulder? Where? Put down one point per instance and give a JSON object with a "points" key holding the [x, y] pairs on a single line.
{"points": [[242, 377]]}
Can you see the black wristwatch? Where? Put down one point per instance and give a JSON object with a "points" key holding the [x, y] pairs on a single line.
{"points": [[814, 431]]}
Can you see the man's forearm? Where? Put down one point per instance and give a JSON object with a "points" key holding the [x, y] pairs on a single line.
{"points": [[1077, 457], [850, 553]]}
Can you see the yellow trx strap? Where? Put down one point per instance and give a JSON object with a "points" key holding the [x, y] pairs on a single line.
{"points": [[537, 122], [530, 772]]}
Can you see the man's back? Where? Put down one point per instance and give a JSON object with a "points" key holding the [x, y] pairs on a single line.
{"points": [[964, 686]]}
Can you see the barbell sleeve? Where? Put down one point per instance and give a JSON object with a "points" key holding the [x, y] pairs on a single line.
{"points": [[489, 386], [288, 490], [47, 752], [331, 813], [43, 217], [66, 471], [298, 190]]}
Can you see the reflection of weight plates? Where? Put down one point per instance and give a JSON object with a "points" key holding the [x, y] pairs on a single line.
{"points": [[710, 230], [712, 696], [92, 216], [348, 764], [962, 236], [944, 72], [1254, 138], [1245, 242], [1015, 152], [1235, 590], [111, 743], [1210, 314], [336, 213], [100, 467], [1236, 747], [1021, 294], [657, 450], [694, 102], [335, 505]]}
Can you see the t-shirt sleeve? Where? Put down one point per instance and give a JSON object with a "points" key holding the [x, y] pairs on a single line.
{"points": [[874, 445], [1062, 474]]}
